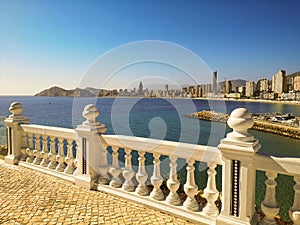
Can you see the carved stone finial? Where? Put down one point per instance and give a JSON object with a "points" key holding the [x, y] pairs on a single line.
{"points": [[90, 113], [240, 121], [16, 108]]}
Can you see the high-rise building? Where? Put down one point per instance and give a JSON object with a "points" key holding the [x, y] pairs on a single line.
{"points": [[228, 87], [297, 83], [250, 85], [208, 88], [279, 82], [214, 84], [263, 85], [290, 81], [167, 87], [140, 88]]}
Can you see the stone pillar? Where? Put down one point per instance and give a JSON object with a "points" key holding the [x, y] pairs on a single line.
{"points": [[15, 133], [238, 174], [91, 148]]}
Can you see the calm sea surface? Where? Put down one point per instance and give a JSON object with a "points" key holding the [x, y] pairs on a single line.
{"points": [[162, 119], [155, 118]]}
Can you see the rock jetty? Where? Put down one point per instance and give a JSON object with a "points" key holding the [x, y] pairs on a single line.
{"points": [[265, 126], [210, 116]]}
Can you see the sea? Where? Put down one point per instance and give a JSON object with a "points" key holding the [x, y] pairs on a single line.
{"points": [[163, 118]]}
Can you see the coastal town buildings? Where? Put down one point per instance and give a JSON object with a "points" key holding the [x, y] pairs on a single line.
{"points": [[250, 85], [263, 85], [228, 87], [297, 83], [279, 82], [281, 87]]}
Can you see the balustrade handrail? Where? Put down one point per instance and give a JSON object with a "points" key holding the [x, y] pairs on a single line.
{"points": [[282, 165], [201, 153], [66, 133]]}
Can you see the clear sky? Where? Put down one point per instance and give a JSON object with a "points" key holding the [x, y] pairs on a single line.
{"points": [[48, 42]]}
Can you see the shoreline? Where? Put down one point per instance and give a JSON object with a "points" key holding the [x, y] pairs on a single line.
{"points": [[198, 98]]}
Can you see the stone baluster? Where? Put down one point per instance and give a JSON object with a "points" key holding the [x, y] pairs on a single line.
{"points": [[45, 152], [190, 188], [295, 209], [115, 170], [29, 150], [37, 151], [173, 183], [60, 156], [269, 205], [70, 158], [24, 147], [14, 133], [52, 154], [156, 179], [103, 167], [142, 176], [210, 192], [128, 173]]}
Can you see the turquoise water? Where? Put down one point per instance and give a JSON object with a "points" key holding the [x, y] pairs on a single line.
{"points": [[163, 119]]}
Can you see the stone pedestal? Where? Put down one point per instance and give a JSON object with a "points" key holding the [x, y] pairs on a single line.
{"points": [[15, 133], [238, 175], [91, 153]]}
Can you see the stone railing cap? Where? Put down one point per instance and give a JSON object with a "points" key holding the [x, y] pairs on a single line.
{"points": [[16, 108]]}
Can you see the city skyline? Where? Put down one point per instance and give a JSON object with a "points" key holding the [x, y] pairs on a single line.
{"points": [[46, 44]]}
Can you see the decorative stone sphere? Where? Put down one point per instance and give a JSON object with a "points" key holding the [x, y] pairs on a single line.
{"points": [[16, 108], [90, 113], [240, 120]]}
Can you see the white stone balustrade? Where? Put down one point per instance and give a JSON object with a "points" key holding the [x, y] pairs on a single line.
{"points": [[37, 150], [173, 184], [269, 205], [115, 170], [45, 152], [156, 179], [128, 173], [210, 192], [237, 154], [141, 176], [69, 158], [190, 188], [52, 154], [29, 149], [295, 209]]}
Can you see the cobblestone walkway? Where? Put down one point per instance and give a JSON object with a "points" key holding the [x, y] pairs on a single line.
{"points": [[30, 197]]}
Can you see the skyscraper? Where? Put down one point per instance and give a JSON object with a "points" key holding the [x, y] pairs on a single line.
{"points": [[140, 88], [278, 82], [214, 85]]}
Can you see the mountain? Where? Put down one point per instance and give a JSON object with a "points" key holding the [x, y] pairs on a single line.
{"points": [[78, 92], [58, 91], [235, 83], [54, 91]]}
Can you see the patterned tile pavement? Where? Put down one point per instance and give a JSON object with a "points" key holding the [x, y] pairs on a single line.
{"points": [[30, 197]]}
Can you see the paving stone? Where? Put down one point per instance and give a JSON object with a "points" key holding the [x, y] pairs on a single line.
{"points": [[31, 197]]}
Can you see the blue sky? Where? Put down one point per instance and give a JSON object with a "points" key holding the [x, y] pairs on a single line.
{"points": [[45, 43]]}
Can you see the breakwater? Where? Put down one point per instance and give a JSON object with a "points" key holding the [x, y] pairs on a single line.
{"points": [[265, 126]]}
